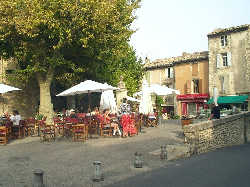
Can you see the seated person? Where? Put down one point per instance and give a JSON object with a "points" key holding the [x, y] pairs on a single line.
{"points": [[151, 116], [72, 114], [15, 118], [165, 115], [95, 111], [125, 108], [109, 120]]}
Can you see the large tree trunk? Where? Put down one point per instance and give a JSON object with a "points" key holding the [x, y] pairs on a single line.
{"points": [[46, 107]]}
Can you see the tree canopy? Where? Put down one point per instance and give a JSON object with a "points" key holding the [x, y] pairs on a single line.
{"points": [[63, 39]]}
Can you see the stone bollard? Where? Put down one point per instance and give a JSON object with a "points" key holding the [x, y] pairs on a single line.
{"points": [[163, 154], [138, 160], [98, 176], [37, 178]]}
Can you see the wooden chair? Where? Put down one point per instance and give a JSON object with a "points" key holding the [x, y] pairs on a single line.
{"points": [[3, 135], [18, 131], [48, 133], [59, 125], [138, 122], [152, 122], [79, 132], [105, 128], [30, 126], [93, 125]]}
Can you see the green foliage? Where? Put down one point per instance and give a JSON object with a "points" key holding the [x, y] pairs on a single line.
{"points": [[159, 101], [39, 116], [176, 117], [68, 38], [129, 66]]}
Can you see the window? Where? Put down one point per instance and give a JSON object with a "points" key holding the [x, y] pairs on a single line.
{"points": [[223, 40], [9, 71], [169, 72], [224, 59], [195, 86]]}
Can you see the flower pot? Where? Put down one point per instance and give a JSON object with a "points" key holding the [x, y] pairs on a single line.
{"points": [[185, 122]]}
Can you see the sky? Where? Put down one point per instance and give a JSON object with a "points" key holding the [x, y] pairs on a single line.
{"points": [[166, 28]]}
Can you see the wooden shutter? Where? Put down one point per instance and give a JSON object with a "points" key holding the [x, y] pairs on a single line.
{"points": [[194, 69], [188, 86], [218, 61], [200, 86], [171, 72], [229, 59], [166, 73]]}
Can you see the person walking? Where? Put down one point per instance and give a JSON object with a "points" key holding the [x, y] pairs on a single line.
{"points": [[215, 112]]}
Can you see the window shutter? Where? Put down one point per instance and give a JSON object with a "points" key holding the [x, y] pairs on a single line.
{"points": [[218, 61], [229, 58], [200, 86], [171, 72], [166, 73], [188, 86]]}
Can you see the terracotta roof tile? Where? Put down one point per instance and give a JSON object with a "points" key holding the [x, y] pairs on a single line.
{"points": [[186, 57], [229, 30]]}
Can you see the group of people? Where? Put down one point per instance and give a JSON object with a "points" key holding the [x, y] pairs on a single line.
{"points": [[126, 123], [15, 117]]}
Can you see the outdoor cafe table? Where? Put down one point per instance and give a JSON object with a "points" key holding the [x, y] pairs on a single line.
{"points": [[76, 129]]}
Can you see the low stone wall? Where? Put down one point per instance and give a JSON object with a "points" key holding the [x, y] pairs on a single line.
{"points": [[213, 134]]}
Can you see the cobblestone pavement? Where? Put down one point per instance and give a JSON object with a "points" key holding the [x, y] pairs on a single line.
{"points": [[67, 163]]}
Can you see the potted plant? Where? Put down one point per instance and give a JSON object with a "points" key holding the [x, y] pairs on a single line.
{"points": [[185, 120]]}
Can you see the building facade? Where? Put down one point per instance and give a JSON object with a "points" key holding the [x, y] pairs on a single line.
{"points": [[191, 74], [161, 72], [229, 60], [188, 74]]}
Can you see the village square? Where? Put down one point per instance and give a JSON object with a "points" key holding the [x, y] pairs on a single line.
{"points": [[78, 107]]}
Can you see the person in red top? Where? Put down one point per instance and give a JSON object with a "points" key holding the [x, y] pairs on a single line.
{"points": [[109, 120]]}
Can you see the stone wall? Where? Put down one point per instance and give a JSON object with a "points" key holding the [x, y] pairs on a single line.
{"points": [[26, 100], [210, 135]]}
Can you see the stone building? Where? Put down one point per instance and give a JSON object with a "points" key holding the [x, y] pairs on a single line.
{"points": [[161, 72], [26, 101], [191, 79], [188, 74], [229, 60]]}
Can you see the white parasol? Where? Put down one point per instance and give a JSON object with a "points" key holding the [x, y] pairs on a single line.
{"points": [[133, 99], [87, 86], [146, 105], [5, 88], [108, 101], [159, 90]]}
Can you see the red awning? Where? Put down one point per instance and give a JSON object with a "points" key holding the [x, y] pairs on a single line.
{"points": [[193, 97], [193, 101]]}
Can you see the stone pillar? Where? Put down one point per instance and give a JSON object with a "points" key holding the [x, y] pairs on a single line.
{"points": [[121, 93], [175, 103]]}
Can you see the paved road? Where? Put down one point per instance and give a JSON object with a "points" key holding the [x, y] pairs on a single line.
{"points": [[66, 163], [229, 167]]}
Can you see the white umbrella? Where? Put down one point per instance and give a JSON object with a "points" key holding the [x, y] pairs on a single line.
{"points": [[146, 105], [108, 101], [159, 90], [87, 86], [162, 90], [5, 88], [133, 99]]}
